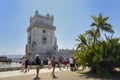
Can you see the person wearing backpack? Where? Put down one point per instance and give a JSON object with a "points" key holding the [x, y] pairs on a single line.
{"points": [[38, 65]]}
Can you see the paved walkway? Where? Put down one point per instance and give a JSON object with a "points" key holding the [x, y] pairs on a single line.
{"points": [[31, 71], [63, 74]]}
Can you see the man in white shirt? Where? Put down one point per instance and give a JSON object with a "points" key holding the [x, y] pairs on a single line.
{"points": [[71, 62]]}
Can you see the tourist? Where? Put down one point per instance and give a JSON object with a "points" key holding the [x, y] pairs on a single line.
{"points": [[53, 62], [65, 63], [38, 65], [60, 61], [26, 65], [71, 62], [42, 64], [74, 64], [49, 62], [22, 64]]}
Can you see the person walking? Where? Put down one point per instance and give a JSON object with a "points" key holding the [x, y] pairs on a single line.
{"points": [[26, 65], [53, 62], [49, 62], [60, 61], [22, 64], [65, 63], [71, 62], [38, 64]]}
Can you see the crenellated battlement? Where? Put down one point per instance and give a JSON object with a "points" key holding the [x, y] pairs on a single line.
{"points": [[41, 21], [41, 17], [65, 50], [65, 53]]}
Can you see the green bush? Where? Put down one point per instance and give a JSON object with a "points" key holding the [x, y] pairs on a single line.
{"points": [[102, 56]]}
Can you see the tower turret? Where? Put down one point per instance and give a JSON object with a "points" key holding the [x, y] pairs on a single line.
{"points": [[36, 13]]}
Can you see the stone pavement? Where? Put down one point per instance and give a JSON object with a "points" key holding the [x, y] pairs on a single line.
{"points": [[6, 74], [45, 74]]}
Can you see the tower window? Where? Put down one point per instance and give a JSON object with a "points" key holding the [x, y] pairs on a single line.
{"points": [[44, 40], [44, 31]]}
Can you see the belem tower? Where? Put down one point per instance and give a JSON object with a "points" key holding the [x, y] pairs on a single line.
{"points": [[41, 38]]}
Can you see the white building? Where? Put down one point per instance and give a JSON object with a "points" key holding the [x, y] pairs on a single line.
{"points": [[41, 38]]}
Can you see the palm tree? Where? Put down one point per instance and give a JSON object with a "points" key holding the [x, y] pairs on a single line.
{"points": [[82, 42], [101, 24], [90, 35], [101, 56]]}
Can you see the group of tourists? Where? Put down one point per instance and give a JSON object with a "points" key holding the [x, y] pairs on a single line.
{"points": [[52, 63], [24, 64]]}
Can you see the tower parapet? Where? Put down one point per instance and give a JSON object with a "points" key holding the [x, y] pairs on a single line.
{"points": [[45, 21]]}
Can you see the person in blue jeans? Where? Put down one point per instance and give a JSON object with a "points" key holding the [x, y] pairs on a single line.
{"points": [[60, 62]]}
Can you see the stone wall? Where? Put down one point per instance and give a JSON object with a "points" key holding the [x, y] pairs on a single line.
{"points": [[15, 68], [65, 53]]}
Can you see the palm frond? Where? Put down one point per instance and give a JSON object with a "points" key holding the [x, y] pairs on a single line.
{"points": [[94, 18]]}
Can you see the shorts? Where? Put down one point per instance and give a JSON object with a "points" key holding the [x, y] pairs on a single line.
{"points": [[38, 66], [71, 65], [53, 64]]}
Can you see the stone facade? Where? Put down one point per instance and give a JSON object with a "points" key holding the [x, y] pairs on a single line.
{"points": [[65, 53], [41, 38]]}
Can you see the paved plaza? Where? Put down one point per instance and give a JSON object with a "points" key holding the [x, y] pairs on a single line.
{"points": [[45, 74], [63, 74]]}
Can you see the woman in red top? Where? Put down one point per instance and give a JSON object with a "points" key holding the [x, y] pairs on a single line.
{"points": [[65, 63]]}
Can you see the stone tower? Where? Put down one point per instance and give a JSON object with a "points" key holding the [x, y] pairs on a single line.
{"points": [[41, 38]]}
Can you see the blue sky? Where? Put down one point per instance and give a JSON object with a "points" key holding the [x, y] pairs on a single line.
{"points": [[71, 18]]}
